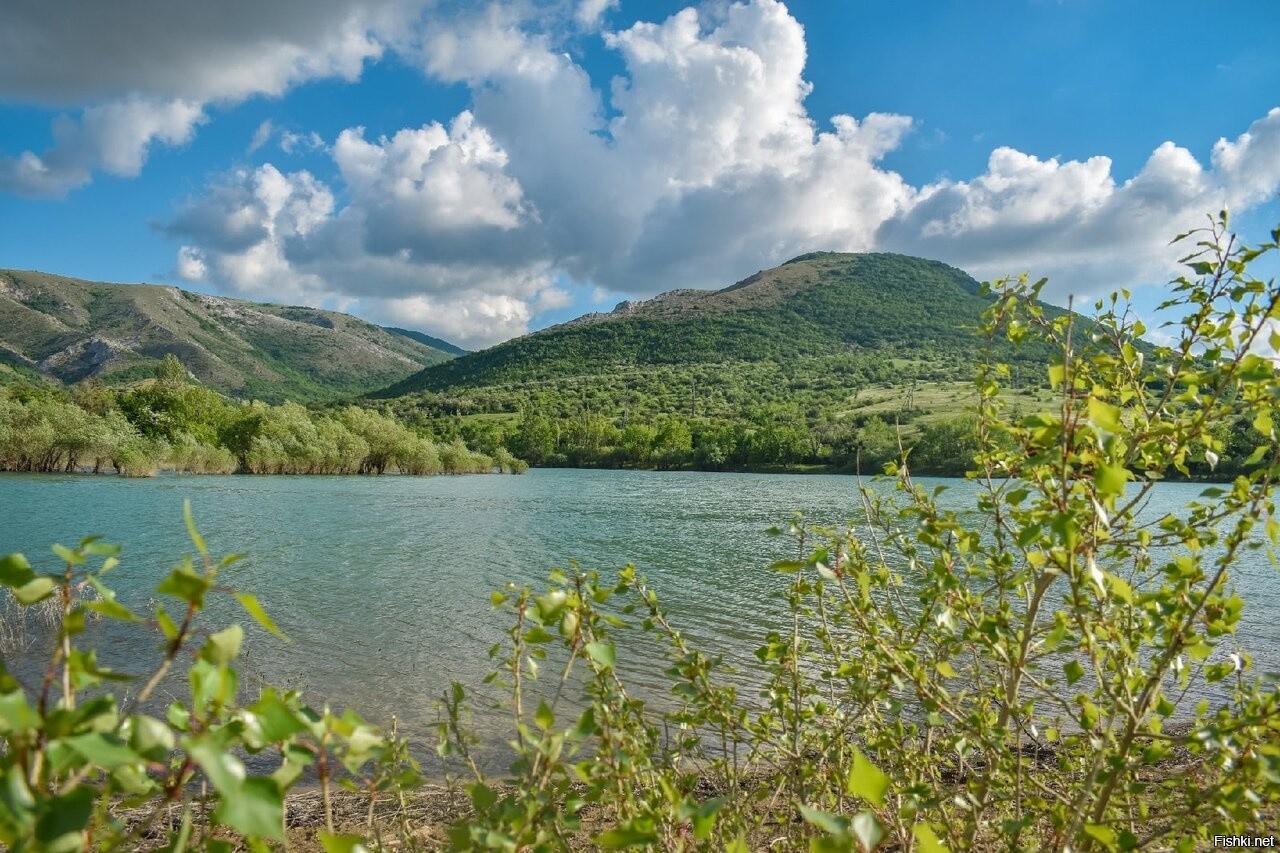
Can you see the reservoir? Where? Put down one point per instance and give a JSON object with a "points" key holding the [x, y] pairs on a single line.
{"points": [[382, 584]]}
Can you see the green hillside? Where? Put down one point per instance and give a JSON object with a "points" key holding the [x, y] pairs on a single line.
{"points": [[69, 329], [434, 343], [816, 306], [816, 329], [812, 362]]}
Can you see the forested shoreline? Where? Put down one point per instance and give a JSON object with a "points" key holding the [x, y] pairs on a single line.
{"points": [[173, 424]]}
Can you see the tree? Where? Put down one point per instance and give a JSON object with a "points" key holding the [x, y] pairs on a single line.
{"points": [[534, 439], [169, 371]]}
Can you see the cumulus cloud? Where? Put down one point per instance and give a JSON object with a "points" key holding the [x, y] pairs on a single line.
{"points": [[152, 66], [186, 49], [421, 236], [699, 166], [590, 12], [1074, 222], [114, 138]]}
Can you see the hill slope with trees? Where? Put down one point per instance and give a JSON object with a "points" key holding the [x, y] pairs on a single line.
{"points": [[810, 363], [69, 329]]}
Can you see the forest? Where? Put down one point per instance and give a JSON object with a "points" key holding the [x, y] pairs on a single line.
{"points": [[171, 423]]}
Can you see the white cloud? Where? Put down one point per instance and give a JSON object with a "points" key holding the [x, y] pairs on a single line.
{"points": [[153, 66], [589, 12], [260, 136], [419, 242], [191, 265], [187, 49], [114, 137], [1073, 222], [431, 179], [705, 167], [1250, 166], [291, 142]]}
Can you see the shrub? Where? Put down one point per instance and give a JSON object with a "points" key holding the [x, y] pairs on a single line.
{"points": [[1015, 677], [75, 757]]}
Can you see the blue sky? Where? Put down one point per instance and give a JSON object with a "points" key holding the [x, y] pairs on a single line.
{"points": [[477, 171]]}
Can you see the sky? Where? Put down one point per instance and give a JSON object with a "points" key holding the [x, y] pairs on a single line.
{"points": [[478, 171]]}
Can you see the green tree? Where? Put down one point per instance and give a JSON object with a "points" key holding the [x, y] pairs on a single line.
{"points": [[534, 439]]}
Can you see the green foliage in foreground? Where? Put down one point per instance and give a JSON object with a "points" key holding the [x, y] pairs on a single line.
{"points": [[1011, 678], [172, 423], [1014, 676], [75, 757]]}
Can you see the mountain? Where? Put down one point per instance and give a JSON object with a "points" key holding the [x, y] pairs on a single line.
{"points": [[812, 331], [434, 343], [69, 329]]}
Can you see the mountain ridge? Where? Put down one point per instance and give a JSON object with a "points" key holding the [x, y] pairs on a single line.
{"points": [[814, 306], [71, 329]]}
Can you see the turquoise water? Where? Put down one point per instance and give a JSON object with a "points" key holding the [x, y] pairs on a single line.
{"points": [[382, 584]]}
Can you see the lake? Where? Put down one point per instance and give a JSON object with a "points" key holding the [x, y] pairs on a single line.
{"points": [[382, 584]]}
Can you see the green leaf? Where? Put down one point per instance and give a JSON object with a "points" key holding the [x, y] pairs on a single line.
{"points": [[167, 626], [251, 606], [150, 738], [256, 809], [224, 646], [704, 817], [108, 606], [866, 780], [66, 555], [826, 821], [105, 751], [16, 715], [634, 833], [787, 566], [1120, 588], [867, 830], [184, 584], [62, 821], [196, 538], [15, 571], [37, 590], [482, 797], [1105, 835], [1104, 415], [276, 720], [537, 634], [92, 545], [1057, 374], [550, 605], [224, 770], [544, 717], [1110, 480], [603, 654], [1074, 671], [334, 843], [946, 670], [927, 840]]}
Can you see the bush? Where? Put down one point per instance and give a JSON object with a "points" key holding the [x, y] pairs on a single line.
{"points": [[1015, 677], [76, 758]]}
